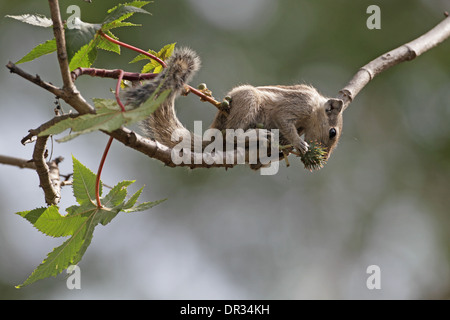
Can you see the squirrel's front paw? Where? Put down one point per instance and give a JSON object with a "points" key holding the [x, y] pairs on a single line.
{"points": [[302, 146]]}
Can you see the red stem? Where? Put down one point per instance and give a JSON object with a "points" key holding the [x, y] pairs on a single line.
{"points": [[125, 45], [99, 173], [162, 63], [108, 145], [120, 75], [119, 81]]}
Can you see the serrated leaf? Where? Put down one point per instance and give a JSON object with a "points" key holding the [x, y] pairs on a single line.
{"points": [[119, 24], [137, 4], [144, 206], [117, 194], [50, 222], [131, 202], [141, 56], [40, 50], [83, 184], [60, 258], [33, 19], [85, 57], [108, 45], [154, 66], [109, 117], [79, 35], [122, 12], [166, 51], [79, 222]]}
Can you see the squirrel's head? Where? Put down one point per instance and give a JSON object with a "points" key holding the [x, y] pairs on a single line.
{"points": [[327, 128]]}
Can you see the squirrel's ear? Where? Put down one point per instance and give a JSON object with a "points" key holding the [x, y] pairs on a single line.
{"points": [[334, 106]]}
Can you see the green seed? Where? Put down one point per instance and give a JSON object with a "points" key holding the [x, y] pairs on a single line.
{"points": [[202, 86], [225, 104], [315, 157]]}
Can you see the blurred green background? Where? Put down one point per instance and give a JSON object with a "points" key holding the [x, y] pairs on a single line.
{"points": [[383, 199]]}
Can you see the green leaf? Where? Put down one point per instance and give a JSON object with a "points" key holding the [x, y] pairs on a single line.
{"points": [[109, 117], [153, 65], [61, 257], [119, 24], [124, 11], [141, 56], [38, 20], [131, 202], [166, 51], [79, 35], [79, 222], [129, 206], [137, 3], [117, 194], [40, 50], [108, 45], [50, 222], [85, 57], [144, 206], [83, 184]]}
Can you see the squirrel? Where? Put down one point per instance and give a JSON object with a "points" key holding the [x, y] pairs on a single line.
{"points": [[295, 110]]}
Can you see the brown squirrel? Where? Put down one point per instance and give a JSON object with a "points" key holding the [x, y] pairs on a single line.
{"points": [[295, 110]]}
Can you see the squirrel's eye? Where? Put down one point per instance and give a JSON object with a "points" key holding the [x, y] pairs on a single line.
{"points": [[332, 133]]}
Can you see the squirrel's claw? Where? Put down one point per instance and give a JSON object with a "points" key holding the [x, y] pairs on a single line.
{"points": [[303, 147]]}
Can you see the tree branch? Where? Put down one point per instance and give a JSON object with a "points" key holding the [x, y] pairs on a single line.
{"points": [[58, 31], [157, 151], [151, 148], [406, 52], [71, 94], [48, 176], [35, 79], [114, 74], [17, 162]]}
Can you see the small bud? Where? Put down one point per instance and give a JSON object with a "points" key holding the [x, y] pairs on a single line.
{"points": [[228, 98], [202, 86], [225, 104]]}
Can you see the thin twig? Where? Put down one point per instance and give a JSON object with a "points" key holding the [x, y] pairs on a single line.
{"points": [[203, 96], [72, 98], [17, 162], [114, 74], [135, 76], [71, 94], [406, 52], [34, 132], [35, 79], [48, 172], [58, 31], [51, 189]]}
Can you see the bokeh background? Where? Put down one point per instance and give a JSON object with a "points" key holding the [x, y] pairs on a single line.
{"points": [[383, 198]]}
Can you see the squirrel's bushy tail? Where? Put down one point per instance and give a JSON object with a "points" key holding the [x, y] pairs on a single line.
{"points": [[181, 67]]}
